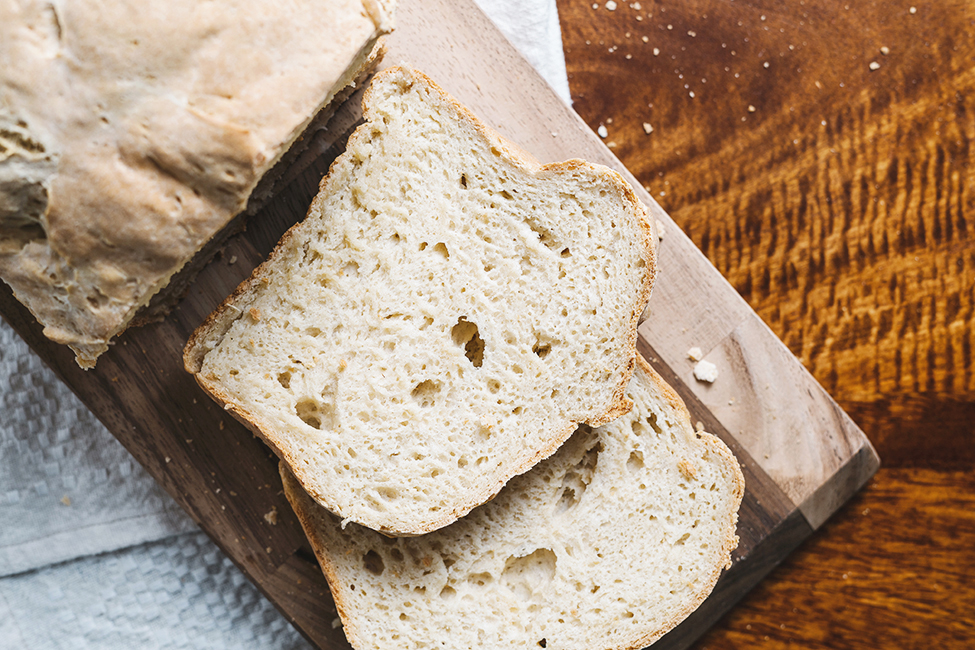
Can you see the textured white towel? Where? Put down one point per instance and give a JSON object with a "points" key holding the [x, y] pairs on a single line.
{"points": [[69, 491], [67, 487], [532, 26]]}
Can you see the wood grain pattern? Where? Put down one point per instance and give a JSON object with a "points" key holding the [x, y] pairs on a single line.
{"points": [[836, 197], [226, 479], [912, 589]]}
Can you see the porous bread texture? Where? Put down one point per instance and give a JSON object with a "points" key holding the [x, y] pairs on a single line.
{"points": [[608, 544], [442, 319], [131, 133]]}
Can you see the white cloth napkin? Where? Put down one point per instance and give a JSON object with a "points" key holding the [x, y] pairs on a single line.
{"points": [[67, 487], [93, 554], [532, 26]]}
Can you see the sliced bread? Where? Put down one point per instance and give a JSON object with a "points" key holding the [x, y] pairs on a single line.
{"points": [[442, 320], [608, 544], [131, 133]]}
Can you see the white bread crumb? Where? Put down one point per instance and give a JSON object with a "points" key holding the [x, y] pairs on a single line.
{"points": [[706, 371]]}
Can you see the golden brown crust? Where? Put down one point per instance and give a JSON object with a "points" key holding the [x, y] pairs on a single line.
{"points": [[135, 160], [228, 311], [299, 501]]}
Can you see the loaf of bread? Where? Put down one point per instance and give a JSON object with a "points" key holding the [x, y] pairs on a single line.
{"points": [[609, 543], [131, 132], [442, 320]]}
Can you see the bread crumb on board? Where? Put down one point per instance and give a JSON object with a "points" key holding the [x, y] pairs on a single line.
{"points": [[271, 516], [66, 500], [695, 354], [706, 371]]}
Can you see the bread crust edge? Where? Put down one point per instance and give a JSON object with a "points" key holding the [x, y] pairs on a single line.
{"points": [[298, 499], [221, 318]]}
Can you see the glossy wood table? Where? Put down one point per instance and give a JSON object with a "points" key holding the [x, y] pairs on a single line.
{"points": [[820, 154]]}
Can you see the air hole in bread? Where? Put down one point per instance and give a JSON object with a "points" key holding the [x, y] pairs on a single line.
{"points": [[315, 414], [542, 643], [578, 477], [465, 333], [567, 500], [463, 181], [307, 410], [448, 592], [284, 379], [423, 245], [426, 392], [98, 300], [545, 236], [442, 249], [310, 254], [635, 462], [566, 252], [396, 554], [373, 563], [543, 345], [652, 421], [480, 579]]}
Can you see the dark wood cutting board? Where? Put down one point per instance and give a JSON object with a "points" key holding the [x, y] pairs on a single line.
{"points": [[801, 455]]}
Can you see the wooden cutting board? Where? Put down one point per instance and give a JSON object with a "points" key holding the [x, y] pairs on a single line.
{"points": [[801, 455]]}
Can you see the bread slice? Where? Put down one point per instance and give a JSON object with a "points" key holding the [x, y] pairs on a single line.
{"points": [[130, 135], [609, 543], [442, 320]]}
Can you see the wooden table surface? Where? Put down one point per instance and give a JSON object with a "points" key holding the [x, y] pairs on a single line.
{"points": [[820, 154]]}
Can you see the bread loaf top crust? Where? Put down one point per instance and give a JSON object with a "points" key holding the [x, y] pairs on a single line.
{"points": [[608, 544], [131, 132], [442, 320]]}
